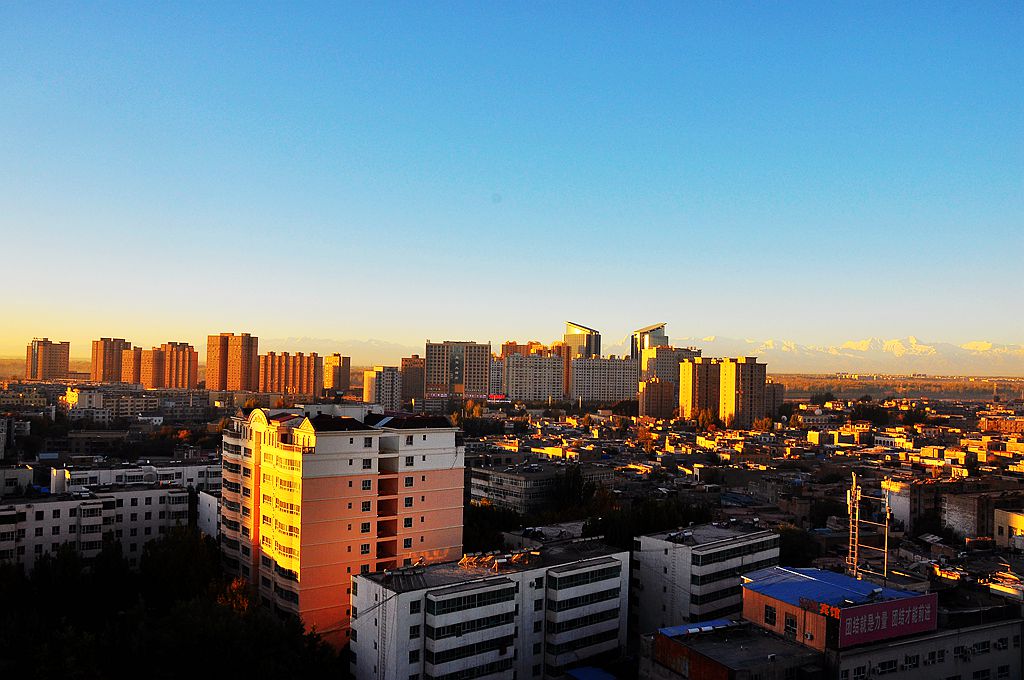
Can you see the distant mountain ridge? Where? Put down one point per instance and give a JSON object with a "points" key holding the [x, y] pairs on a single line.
{"points": [[872, 355]]}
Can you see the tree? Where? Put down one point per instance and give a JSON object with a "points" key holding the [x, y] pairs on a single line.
{"points": [[763, 424], [819, 398]]}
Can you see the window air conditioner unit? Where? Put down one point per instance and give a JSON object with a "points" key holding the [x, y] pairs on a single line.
{"points": [[808, 636]]}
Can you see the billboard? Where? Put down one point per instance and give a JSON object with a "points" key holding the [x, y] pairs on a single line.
{"points": [[889, 619]]}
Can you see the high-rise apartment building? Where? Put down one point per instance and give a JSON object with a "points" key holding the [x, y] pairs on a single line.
{"points": [[46, 360], [308, 501], [151, 368], [533, 377], [295, 374], [774, 395], [662, 362], [413, 369], [604, 379], [646, 338], [383, 385], [172, 365], [337, 374], [232, 362], [582, 341], [497, 376], [131, 366], [106, 359], [742, 393], [658, 398], [513, 347], [456, 371], [699, 387], [181, 366]]}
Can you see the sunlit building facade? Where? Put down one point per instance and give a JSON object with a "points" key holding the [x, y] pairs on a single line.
{"points": [[455, 372], [309, 501], [47, 360], [742, 392], [106, 359], [383, 385], [232, 362], [337, 373], [699, 385], [293, 374]]}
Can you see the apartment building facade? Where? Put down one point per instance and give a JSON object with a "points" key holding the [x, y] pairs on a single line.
{"points": [[454, 372], [604, 379], [232, 362], [533, 377], [742, 392], [524, 615], [106, 359], [133, 515], [47, 360], [383, 385], [694, 574], [309, 500]]}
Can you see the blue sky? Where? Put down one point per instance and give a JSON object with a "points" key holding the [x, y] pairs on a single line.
{"points": [[810, 171]]}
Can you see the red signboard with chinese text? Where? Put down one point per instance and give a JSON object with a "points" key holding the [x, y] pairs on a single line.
{"points": [[889, 619]]}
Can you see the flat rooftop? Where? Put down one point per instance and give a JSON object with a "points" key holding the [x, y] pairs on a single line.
{"points": [[702, 534], [445, 574], [792, 585], [741, 647]]}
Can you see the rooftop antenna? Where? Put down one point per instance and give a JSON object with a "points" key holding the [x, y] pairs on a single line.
{"points": [[854, 496]]}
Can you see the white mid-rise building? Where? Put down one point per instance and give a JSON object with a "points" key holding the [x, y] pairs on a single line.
{"points": [[694, 574], [198, 475], [208, 513], [529, 614], [383, 385], [604, 379], [534, 377], [131, 515]]}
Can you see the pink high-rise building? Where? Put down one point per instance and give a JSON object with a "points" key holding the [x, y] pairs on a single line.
{"points": [[311, 498]]}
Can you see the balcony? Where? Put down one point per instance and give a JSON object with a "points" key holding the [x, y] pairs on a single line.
{"points": [[387, 465], [387, 528], [387, 548], [387, 487], [387, 507]]}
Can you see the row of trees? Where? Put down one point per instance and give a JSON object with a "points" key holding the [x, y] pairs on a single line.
{"points": [[177, 614]]}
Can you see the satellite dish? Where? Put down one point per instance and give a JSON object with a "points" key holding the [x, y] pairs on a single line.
{"points": [[818, 411]]}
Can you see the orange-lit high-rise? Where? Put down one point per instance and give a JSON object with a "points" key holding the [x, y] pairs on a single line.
{"points": [[46, 360], [309, 499], [337, 374], [131, 366], [181, 365], [295, 374], [106, 359], [232, 362]]}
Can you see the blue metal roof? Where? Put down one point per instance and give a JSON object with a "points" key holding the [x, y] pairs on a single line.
{"points": [[792, 584], [696, 627]]}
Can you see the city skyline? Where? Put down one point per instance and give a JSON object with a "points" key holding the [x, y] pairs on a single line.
{"points": [[776, 173]]}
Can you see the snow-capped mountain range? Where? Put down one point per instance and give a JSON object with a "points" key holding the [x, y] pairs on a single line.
{"points": [[872, 355]]}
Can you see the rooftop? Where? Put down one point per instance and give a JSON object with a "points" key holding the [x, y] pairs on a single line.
{"points": [[490, 566], [404, 421], [703, 534], [796, 585], [327, 423], [739, 646]]}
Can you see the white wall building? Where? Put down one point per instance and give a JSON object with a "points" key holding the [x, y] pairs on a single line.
{"points": [[604, 379], [208, 513], [525, 615], [198, 475], [534, 377], [694, 575], [32, 527], [383, 385]]}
